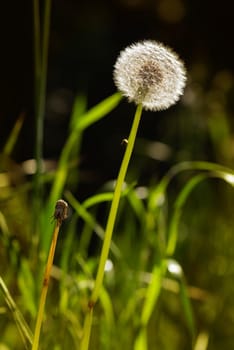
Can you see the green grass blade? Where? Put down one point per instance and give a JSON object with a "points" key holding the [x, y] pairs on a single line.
{"points": [[98, 112], [141, 340], [152, 292], [13, 137], [74, 140], [151, 297], [174, 222], [187, 307], [80, 123], [22, 325], [87, 217], [37, 50], [97, 199], [27, 287], [41, 63], [136, 204], [79, 109], [87, 327], [158, 194], [40, 111], [196, 165], [226, 175], [107, 306], [202, 341], [106, 197]]}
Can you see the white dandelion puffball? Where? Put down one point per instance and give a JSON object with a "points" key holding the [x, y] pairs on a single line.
{"points": [[151, 74]]}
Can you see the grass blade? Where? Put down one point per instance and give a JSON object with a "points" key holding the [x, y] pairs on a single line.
{"points": [[22, 325], [96, 113], [12, 139], [225, 175]]}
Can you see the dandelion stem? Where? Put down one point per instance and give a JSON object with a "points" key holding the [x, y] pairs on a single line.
{"points": [[115, 204], [45, 286], [110, 227]]}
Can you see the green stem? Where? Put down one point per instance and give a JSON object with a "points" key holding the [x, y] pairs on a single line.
{"points": [[41, 59], [37, 51], [87, 329], [110, 227], [115, 204]]}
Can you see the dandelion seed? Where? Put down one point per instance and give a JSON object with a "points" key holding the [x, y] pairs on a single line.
{"points": [[151, 74]]}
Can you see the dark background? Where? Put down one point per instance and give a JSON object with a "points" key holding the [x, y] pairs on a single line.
{"points": [[85, 40]]}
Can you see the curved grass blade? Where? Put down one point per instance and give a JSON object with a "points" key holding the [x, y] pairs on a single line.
{"points": [[182, 197], [107, 197], [174, 222], [157, 196], [98, 112], [88, 218], [74, 140]]}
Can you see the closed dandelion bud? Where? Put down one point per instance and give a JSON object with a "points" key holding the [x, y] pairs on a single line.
{"points": [[151, 74]]}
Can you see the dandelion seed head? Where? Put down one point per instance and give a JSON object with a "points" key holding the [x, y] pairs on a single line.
{"points": [[150, 73]]}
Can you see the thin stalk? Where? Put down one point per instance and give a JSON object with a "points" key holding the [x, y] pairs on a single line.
{"points": [[37, 51], [37, 78], [41, 62], [45, 286], [43, 80], [115, 204], [87, 329], [110, 227]]}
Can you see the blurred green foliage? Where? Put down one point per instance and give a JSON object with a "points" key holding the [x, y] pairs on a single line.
{"points": [[168, 277]]}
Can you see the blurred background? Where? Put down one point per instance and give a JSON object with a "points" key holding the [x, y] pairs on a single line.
{"points": [[85, 40]]}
